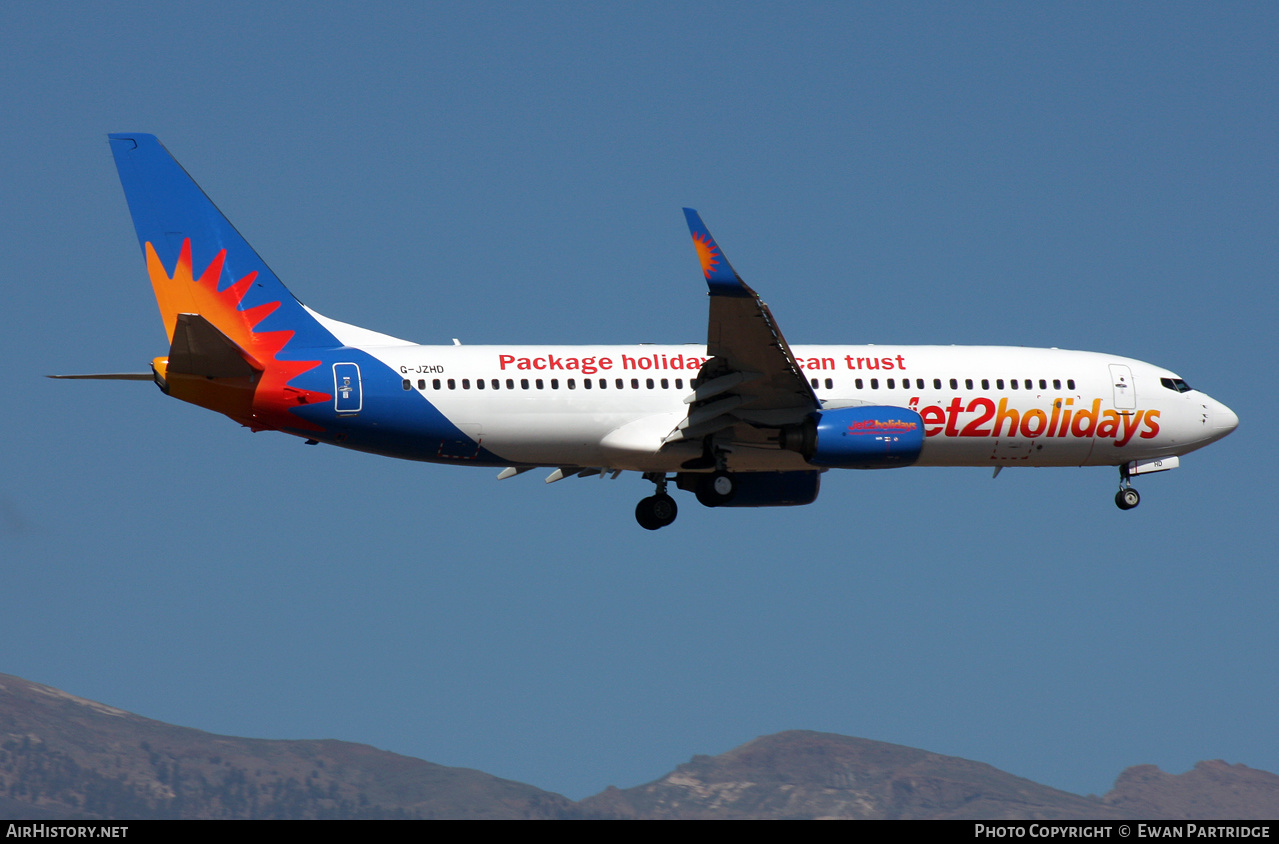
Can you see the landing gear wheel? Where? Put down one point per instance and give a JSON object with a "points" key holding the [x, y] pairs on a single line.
{"points": [[656, 511], [1127, 498], [716, 489], [664, 509]]}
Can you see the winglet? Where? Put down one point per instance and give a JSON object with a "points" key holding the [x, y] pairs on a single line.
{"points": [[721, 278]]}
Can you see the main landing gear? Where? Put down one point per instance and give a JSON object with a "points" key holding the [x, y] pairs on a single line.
{"points": [[1127, 497], [659, 510], [713, 490], [716, 489]]}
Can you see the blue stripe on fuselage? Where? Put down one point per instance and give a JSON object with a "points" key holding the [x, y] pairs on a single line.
{"points": [[392, 421]]}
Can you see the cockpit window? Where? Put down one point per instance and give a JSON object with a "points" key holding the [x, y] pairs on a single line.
{"points": [[1175, 384]]}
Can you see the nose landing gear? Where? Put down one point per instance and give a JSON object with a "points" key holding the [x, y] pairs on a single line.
{"points": [[1127, 497]]}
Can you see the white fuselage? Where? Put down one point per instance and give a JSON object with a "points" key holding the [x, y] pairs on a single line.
{"points": [[611, 406]]}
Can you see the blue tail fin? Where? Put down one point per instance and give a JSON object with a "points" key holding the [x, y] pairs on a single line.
{"points": [[186, 240]]}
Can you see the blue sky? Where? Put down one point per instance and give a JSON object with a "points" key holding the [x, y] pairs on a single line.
{"points": [[1094, 176]]}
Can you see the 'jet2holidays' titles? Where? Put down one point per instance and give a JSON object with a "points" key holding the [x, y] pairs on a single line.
{"points": [[981, 417]]}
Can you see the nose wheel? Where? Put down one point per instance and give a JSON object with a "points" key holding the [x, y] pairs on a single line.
{"points": [[659, 510], [1127, 497]]}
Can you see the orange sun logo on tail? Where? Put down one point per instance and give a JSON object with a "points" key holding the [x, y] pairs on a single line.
{"points": [[707, 253], [262, 401]]}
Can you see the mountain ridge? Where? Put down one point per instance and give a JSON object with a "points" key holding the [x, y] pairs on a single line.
{"points": [[63, 756]]}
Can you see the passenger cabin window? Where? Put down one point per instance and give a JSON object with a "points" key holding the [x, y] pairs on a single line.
{"points": [[936, 383], [985, 383], [968, 383], [830, 383], [1056, 383], [954, 383], [408, 385], [1070, 383]]}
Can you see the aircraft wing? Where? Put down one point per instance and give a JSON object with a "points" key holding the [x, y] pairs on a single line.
{"points": [[751, 378]]}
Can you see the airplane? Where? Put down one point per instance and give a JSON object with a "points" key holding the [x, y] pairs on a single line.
{"points": [[743, 420]]}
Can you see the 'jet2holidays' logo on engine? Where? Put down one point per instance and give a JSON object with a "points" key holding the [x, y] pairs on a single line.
{"points": [[981, 417], [881, 426]]}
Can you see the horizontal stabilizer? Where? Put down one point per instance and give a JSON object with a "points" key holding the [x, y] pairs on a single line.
{"points": [[199, 348]]}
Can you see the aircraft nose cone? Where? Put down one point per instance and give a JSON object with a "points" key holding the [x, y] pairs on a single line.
{"points": [[1224, 419]]}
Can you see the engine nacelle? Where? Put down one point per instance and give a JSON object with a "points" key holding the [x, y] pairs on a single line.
{"points": [[871, 437]]}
